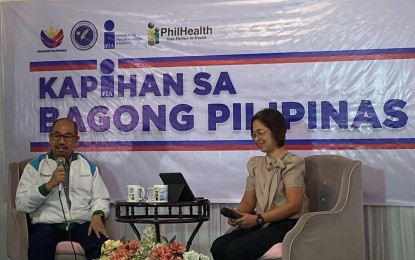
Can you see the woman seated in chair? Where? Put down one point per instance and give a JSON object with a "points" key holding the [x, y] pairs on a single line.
{"points": [[274, 196]]}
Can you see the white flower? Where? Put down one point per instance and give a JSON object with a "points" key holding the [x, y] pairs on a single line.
{"points": [[192, 255]]}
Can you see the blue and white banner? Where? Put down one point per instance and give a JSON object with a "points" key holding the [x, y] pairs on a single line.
{"points": [[171, 87]]}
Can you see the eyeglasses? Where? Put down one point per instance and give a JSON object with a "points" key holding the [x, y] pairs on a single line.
{"points": [[57, 136], [258, 133]]}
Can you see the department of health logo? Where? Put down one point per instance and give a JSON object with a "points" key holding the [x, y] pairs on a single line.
{"points": [[51, 36], [84, 35]]}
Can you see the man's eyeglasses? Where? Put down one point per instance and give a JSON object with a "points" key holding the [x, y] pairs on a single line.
{"points": [[258, 133], [57, 136]]}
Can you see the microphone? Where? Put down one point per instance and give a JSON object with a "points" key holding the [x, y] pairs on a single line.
{"points": [[60, 161], [230, 213]]}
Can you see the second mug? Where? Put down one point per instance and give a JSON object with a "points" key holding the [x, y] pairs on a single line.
{"points": [[158, 193]]}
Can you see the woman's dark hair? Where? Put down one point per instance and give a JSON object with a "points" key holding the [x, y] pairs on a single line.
{"points": [[275, 121]]}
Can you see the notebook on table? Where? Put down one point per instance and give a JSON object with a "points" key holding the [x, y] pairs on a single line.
{"points": [[179, 190]]}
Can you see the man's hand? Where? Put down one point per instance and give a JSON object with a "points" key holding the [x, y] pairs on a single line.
{"points": [[97, 225], [58, 177]]}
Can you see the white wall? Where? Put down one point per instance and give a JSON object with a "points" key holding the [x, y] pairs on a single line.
{"points": [[2, 169]]}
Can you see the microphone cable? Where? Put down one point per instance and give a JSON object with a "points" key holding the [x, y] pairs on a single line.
{"points": [[67, 226]]}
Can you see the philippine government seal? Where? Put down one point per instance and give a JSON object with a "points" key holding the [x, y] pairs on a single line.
{"points": [[84, 35]]}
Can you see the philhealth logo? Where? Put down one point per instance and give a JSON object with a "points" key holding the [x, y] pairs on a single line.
{"points": [[51, 37], [153, 34]]}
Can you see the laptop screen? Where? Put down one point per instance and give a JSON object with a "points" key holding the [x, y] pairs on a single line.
{"points": [[179, 190]]}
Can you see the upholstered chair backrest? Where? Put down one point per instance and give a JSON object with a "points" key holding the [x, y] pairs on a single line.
{"points": [[325, 175]]}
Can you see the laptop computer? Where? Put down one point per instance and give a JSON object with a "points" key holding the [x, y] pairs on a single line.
{"points": [[179, 190]]}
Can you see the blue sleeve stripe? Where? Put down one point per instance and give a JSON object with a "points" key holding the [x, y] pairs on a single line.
{"points": [[92, 166], [36, 161]]}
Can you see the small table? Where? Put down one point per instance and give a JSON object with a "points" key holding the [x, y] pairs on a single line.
{"points": [[177, 212]]}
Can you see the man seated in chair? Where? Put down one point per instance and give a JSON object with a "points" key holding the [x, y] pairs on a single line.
{"points": [[65, 199]]}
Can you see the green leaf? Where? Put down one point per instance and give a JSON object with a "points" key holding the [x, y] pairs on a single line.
{"points": [[165, 240], [173, 239]]}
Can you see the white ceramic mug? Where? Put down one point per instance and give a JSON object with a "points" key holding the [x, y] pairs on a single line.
{"points": [[135, 193], [158, 193]]}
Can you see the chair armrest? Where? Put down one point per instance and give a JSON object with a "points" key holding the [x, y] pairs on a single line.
{"points": [[319, 235], [17, 234], [330, 234]]}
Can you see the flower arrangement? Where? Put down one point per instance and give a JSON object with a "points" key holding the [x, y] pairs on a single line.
{"points": [[147, 249]]}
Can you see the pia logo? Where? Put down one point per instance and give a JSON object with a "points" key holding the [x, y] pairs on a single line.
{"points": [[51, 36], [153, 34]]}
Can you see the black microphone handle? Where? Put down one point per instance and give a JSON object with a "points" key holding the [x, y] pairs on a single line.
{"points": [[229, 213]]}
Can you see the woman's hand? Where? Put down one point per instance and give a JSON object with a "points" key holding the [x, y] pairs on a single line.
{"points": [[232, 222], [246, 221]]}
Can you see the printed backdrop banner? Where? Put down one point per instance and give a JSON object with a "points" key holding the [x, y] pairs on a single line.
{"points": [[172, 86]]}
